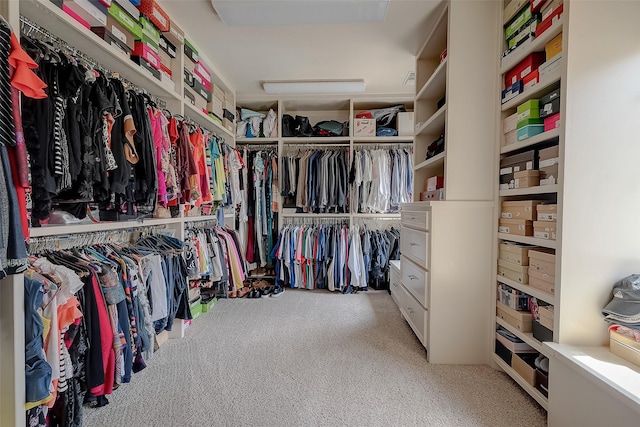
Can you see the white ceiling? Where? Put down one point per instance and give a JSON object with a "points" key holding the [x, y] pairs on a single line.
{"points": [[380, 53]]}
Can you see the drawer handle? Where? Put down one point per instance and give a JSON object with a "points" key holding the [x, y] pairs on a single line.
{"points": [[413, 244], [412, 277], [394, 284], [412, 217]]}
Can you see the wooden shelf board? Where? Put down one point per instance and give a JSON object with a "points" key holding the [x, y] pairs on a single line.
{"points": [[435, 123], [533, 392], [435, 87], [376, 215], [541, 189], [551, 244], [314, 215], [256, 141], [537, 293], [541, 89], [317, 140], [204, 120], [543, 137], [382, 139], [527, 337], [535, 45], [432, 162]]}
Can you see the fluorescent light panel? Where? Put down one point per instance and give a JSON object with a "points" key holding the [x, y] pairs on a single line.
{"points": [[313, 87], [299, 12]]}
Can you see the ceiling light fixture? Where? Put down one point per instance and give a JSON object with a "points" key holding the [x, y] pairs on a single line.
{"points": [[313, 87], [300, 12]]}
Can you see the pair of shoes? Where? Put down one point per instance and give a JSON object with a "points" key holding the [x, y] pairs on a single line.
{"points": [[277, 291], [243, 292], [254, 293], [265, 292], [232, 294]]}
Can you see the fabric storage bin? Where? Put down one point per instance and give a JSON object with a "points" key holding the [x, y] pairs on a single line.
{"points": [[513, 298]]}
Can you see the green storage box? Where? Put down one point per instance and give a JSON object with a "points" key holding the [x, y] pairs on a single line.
{"points": [[528, 110], [526, 122], [196, 308], [150, 34], [208, 305], [126, 20], [518, 22], [529, 131], [190, 51]]}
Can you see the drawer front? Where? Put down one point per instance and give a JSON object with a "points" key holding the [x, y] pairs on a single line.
{"points": [[394, 285], [416, 280], [415, 315], [414, 244], [415, 219]]}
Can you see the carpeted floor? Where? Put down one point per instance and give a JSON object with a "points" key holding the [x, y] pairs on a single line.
{"points": [[310, 359]]}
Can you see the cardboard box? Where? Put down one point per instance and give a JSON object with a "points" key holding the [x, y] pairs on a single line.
{"points": [[524, 365], [526, 179], [513, 298], [514, 253], [432, 195], [536, 5], [542, 382], [552, 122], [165, 59], [518, 346], [146, 65], [510, 123], [511, 137], [145, 51], [512, 271], [540, 332], [117, 30], [94, 13], [155, 13], [521, 320], [364, 127], [544, 230], [130, 6], [201, 70], [540, 281], [624, 346], [175, 34], [547, 22], [167, 47], [545, 313], [528, 110], [548, 162], [405, 123], [517, 162], [554, 47], [503, 352], [189, 95], [75, 16], [548, 8], [532, 79], [547, 212], [434, 183], [218, 92], [544, 261], [520, 20], [190, 52], [518, 227], [215, 106], [551, 67], [124, 18], [107, 36], [549, 175], [524, 67], [519, 209], [150, 34], [512, 91], [527, 122], [203, 93], [549, 153], [229, 125], [529, 30], [529, 131], [550, 108], [512, 9]]}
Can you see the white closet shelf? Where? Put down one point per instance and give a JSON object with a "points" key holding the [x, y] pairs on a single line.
{"points": [[434, 162], [551, 244], [317, 140], [435, 124], [192, 112], [314, 215], [543, 137], [256, 141], [541, 89], [539, 397], [382, 139], [534, 45], [53, 19], [541, 189], [527, 337], [435, 87], [529, 290], [376, 215]]}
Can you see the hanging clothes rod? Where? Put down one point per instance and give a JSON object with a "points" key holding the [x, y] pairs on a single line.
{"points": [[315, 145], [315, 221], [394, 146], [200, 224], [28, 28]]}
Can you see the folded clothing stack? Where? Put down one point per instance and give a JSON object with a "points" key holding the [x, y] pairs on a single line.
{"points": [[254, 124]]}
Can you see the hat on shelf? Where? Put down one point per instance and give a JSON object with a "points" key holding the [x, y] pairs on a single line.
{"points": [[626, 298]]}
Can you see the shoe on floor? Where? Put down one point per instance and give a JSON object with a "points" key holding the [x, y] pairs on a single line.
{"points": [[277, 291], [265, 292], [243, 292]]}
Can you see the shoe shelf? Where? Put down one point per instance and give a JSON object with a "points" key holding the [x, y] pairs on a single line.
{"points": [[543, 137], [434, 124], [436, 162], [529, 290], [545, 86], [198, 116], [53, 19], [535, 45], [533, 392], [435, 87], [524, 336], [428, 58], [541, 189], [551, 244]]}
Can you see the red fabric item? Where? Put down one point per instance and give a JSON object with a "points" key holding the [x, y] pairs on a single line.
{"points": [[22, 77], [106, 343], [250, 253]]}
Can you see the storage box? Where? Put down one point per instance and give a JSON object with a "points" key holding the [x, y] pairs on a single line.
{"points": [[544, 230], [145, 51], [190, 52], [503, 352], [548, 8], [550, 108], [364, 127], [518, 227], [528, 110], [92, 12], [526, 66], [542, 382], [124, 18], [529, 131], [517, 162], [207, 306], [201, 70], [117, 30], [228, 115], [512, 9], [168, 47], [433, 183], [547, 212], [228, 124], [541, 333], [130, 6], [188, 78], [529, 30], [552, 122], [189, 95], [512, 91], [536, 5], [405, 123], [545, 313], [515, 253], [513, 343], [550, 68], [156, 14], [531, 79], [548, 162], [549, 175], [624, 346], [147, 66], [526, 179], [432, 195], [175, 34], [218, 92], [543, 260], [546, 23], [510, 123], [75, 16], [520, 20], [513, 298], [521, 320], [204, 93], [554, 47], [549, 153], [543, 282], [196, 309], [512, 271], [511, 137], [150, 35], [524, 365], [108, 36], [215, 106]]}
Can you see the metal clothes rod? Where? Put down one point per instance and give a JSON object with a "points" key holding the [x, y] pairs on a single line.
{"points": [[383, 146], [315, 145]]}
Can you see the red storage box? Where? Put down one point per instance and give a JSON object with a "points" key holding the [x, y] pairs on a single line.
{"points": [[548, 22], [552, 122], [165, 69], [145, 52], [531, 79], [525, 67], [536, 5], [205, 75], [156, 14]]}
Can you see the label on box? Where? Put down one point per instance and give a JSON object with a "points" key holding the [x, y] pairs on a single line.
{"points": [[548, 162], [544, 235], [547, 216], [160, 17], [503, 229], [506, 215], [505, 171], [118, 34]]}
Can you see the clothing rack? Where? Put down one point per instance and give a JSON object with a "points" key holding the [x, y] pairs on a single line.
{"points": [[28, 28], [190, 121], [378, 223], [399, 146], [315, 221], [196, 224], [316, 146], [252, 147]]}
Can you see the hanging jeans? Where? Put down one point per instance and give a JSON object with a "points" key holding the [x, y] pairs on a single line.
{"points": [[37, 370]]}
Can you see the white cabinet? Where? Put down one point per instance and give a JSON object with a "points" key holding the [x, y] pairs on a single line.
{"points": [[394, 281], [445, 278]]}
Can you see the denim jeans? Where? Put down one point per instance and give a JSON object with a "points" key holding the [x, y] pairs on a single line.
{"points": [[37, 370]]}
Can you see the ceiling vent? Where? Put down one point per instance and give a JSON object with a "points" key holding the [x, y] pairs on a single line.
{"points": [[410, 79]]}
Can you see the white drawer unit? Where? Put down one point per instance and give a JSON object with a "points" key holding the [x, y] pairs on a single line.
{"points": [[416, 280], [394, 281], [415, 219], [445, 277], [414, 244]]}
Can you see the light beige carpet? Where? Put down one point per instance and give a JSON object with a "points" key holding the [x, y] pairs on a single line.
{"points": [[310, 359]]}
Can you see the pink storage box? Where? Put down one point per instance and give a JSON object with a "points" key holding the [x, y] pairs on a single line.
{"points": [[552, 122], [75, 16], [205, 75], [145, 52]]}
